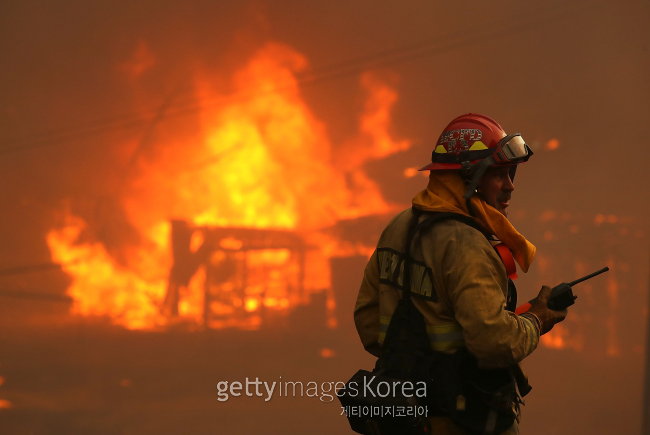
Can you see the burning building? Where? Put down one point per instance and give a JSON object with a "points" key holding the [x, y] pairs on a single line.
{"points": [[211, 197], [242, 216], [245, 273]]}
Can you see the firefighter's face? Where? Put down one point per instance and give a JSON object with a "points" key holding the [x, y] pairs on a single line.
{"points": [[496, 187]]}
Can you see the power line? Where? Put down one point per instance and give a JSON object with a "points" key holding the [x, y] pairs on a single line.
{"points": [[19, 270], [29, 269], [35, 296], [188, 105]]}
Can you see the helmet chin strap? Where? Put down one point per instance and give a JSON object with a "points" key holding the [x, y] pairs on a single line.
{"points": [[478, 169], [470, 209]]}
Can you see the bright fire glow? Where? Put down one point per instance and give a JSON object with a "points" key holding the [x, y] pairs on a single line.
{"points": [[560, 338], [260, 159]]}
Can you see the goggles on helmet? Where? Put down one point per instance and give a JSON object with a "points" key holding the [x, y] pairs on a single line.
{"points": [[510, 150]]}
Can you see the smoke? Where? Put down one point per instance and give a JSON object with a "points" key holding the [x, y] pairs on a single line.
{"points": [[91, 90]]}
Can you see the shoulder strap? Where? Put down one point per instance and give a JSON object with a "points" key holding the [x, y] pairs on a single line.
{"points": [[406, 335], [415, 226], [501, 249]]}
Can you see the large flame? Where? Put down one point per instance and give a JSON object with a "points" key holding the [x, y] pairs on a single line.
{"points": [[262, 160], [129, 295]]}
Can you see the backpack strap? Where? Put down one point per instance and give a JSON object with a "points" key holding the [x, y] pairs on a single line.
{"points": [[416, 226], [501, 249]]}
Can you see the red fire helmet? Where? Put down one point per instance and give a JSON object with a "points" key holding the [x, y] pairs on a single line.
{"points": [[469, 137], [474, 142]]}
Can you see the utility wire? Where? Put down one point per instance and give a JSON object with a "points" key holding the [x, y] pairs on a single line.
{"points": [[19, 270], [410, 52], [35, 295], [29, 269]]}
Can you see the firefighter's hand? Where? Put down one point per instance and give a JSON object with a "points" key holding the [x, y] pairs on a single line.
{"points": [[546, 317]]}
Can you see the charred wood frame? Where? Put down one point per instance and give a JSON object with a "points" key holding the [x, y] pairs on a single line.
{"points": [[223, 253]]}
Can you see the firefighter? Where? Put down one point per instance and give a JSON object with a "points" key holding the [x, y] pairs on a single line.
{"points": [[461, 275]]}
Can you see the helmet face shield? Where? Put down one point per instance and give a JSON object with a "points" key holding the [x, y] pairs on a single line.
{"points": [[511, 149]]}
